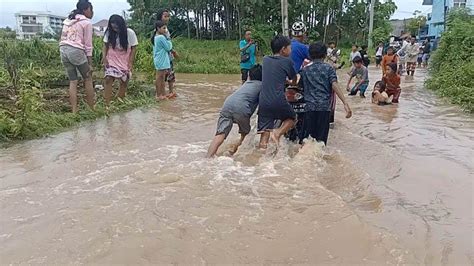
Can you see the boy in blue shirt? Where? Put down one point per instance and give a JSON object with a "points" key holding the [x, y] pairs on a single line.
{"points": [[319, 80], [248, 55], [277, 70]]}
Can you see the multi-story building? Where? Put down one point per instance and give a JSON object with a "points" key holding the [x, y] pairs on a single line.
{"points": [[437, 18], [30, 23]]}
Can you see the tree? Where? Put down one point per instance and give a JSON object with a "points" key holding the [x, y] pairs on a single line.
{"points": [[416, 24]]}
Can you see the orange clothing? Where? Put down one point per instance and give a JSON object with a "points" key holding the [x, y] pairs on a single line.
{"points": [[387, 59], [392, 81]]}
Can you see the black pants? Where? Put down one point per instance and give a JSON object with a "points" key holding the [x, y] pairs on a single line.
{"points": [[245, 74], [316, 125]]}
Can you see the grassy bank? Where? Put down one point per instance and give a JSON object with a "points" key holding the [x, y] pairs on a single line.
{"points": [[452, 65]]}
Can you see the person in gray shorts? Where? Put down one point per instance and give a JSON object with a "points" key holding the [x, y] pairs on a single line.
{"points": [[76, 51], [238, 109]]}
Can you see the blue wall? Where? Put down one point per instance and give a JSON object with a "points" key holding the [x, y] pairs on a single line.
{"points": [[436, 23]]}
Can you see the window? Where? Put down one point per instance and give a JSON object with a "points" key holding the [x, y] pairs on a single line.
{"points": [[459, 3]]}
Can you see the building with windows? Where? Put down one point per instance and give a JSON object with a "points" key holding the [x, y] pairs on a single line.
{"points": [[30, 24], [440, 8]]}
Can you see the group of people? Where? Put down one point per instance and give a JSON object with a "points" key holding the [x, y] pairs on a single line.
{"points": [[292, 63], [118, 54]]}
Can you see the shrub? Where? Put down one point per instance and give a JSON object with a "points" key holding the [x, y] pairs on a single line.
{"points": [[452, 65]]}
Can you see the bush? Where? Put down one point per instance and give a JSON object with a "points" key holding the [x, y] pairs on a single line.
{"points": [[452, 65]]}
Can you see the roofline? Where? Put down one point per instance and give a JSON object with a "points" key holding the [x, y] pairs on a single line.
{"points": [[38, 13]]}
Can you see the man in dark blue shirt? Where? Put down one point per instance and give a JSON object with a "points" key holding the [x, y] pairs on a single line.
{"points": [[277, 69], [299, 51], [319, 79]]}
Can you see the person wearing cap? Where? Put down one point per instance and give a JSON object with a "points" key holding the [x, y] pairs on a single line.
{"points": [[299, 51]]}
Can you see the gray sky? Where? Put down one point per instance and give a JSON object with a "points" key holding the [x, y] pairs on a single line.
{"points": [[104, 8]]}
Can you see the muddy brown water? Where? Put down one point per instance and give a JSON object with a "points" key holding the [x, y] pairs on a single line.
{"points": [[394, 186]]}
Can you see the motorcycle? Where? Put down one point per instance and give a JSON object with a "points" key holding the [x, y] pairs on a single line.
{"points": [[295, 97]]}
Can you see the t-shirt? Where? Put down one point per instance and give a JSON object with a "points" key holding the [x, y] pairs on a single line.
{"points": [[391, 81], [299, 52], [251, 51], [427, 48], [118, 57], [276, 70], [244, 101], [360, 74], [317, 80], [354, 55], [379, 51]]}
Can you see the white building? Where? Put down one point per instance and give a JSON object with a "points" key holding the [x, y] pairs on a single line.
{"points": [[100, 27], [30, 23]]}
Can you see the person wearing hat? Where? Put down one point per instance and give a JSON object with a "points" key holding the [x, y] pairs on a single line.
{"points": [[299, 51]]}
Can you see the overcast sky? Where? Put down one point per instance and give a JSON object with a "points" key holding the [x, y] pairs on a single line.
{"points": [[104, 8]]}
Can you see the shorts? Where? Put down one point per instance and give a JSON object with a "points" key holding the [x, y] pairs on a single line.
{"points": [[268, 120], [227, 120], [74, 59], [170, 76], [316, 125], [245, 74]]}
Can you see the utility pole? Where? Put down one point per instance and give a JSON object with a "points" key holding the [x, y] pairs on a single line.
{"points": [[371, 24], [284, 17]]}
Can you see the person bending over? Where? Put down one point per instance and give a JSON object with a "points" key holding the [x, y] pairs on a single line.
{"points": [[237, 109]]}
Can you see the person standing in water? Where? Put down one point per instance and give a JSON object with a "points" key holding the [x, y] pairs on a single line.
{"points": [[248, 55], [170, 77], [319, 81], [379, 54], [273, 105], [118, 55], [391, 79], [426, 52], [238, 109], [161, 58], [76, 51], [299, 50], [412, 50]]}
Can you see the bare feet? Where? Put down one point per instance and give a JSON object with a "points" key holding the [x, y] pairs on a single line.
{"points": [[275, 138], [161, 98]]}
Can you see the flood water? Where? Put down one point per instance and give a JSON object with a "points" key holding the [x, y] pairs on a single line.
{"points": [[394, 186]]}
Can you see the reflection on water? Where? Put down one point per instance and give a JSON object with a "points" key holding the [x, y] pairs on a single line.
{"points": [[394, 186]]}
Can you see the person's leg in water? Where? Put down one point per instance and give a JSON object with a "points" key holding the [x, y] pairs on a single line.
{"points": [[282, 130], [264, 139], [224, 126], [215, 144], [109, 82], [362, 89], [160, 85]]}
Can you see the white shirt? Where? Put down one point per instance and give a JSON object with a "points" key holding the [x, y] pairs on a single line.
{"points": [[132, 38], [379, 51]]}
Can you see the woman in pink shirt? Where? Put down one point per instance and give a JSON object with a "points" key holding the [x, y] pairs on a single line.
{"points": [[76, 51], [119, 51]]}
